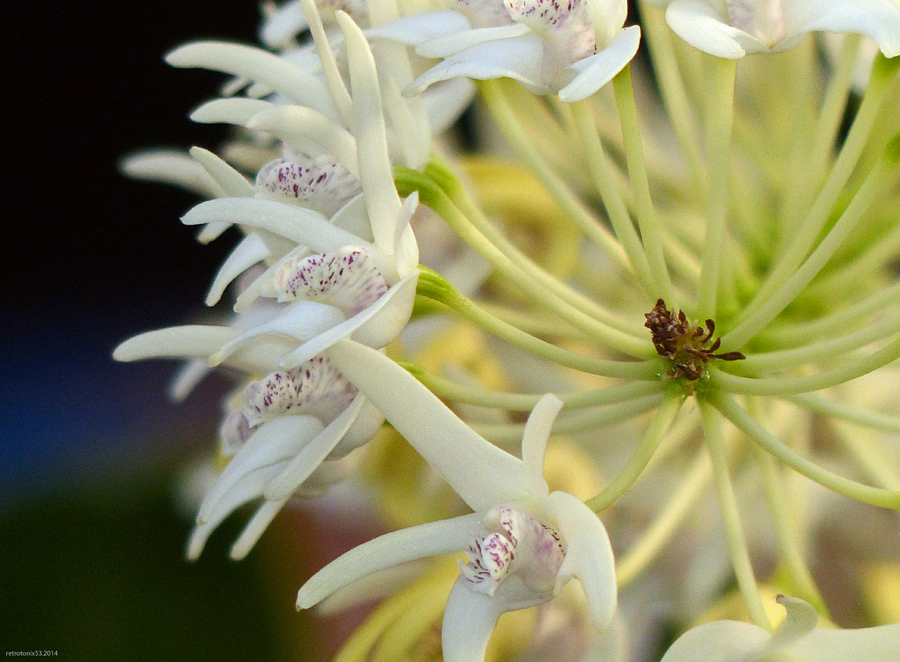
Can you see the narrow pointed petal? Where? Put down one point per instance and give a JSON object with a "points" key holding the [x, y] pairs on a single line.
{"points": [[597, 70], [535, 438], [193, 341], [700, 25], [301, 320], [232, 182], [376, 174], [454, 43], [186, 379], [312, 454], [174, 168], [255, 528], [406, 250], [310, 132], [248, 252], [303, 226], [259, 66], [878, 19], [376, 326], [387, 551], [237, 111], [333, 79], [518, 58], [413, 30], [274, 442], [589, 555], [801, 619], [482, 474], [246, 490], [469, 620]]}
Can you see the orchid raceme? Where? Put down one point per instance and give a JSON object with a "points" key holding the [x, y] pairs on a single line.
{"points": [[688, 276], [523, 543]]}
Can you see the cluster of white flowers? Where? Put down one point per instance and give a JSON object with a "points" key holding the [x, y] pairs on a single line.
{"points": [[341, 123]]}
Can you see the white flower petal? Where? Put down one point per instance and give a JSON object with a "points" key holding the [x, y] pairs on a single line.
{"points": [[406, 250], [469, 620], [259, 66], [589, 555], [248, 252], [283, 24], [608, 17], [878, 19], [702, 27], [389, 550], [445, 102], [375, 170], [237, 111], [535, 438], [413, 30], [192, 341], [333, 78], [174, 168], [719, 641], [376, 326], [878, 644], [452, 44], [597, 70], [352, 217], [312, 454], [186, 379], [255, 528], [309, 131], [271, 444], [482, 474], [519, 58]]}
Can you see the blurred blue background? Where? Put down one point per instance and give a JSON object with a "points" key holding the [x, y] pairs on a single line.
{"points": [[91, 538]]}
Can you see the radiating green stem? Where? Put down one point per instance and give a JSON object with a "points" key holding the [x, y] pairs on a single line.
{"points": [[783, 453], [713, 431], [472, 213], [871, 189], [786, 531], [473, 394], [721, 115], [847, 412], [880, 466], [645, 450], [609, 192], [506, 120], [660, 530], [435, 287], [640, 184]]}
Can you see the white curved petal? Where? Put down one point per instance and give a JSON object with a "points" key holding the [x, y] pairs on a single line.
{"points": [[352, 217], [248, 252], [878, 19], [519, 58], [589, 555], [469, 620], [186, 379], [312, 454], [444, 103], [180, 342], [174, 168], [877, 644], [367, 424], [800, 620], [386, 551], [303, 226], [597, 70], [255, 528], [272, 443], [376, 326], [406, 250], [376, 174], [237, 111], [247, 489], [482, 474], [259, 66], [339, 94], [608, 17], [719, 641], [280, 27], [413, 30], [702, 27], [232, 182], [452, 44], [535, 438], [303, 128], [301, 320]]}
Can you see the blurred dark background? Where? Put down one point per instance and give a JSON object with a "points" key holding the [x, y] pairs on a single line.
{"points": [[91, 535]]}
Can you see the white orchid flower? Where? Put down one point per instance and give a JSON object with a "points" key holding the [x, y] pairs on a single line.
{"points": [[735, 28], [332, 284], [570, 49], [523, 542], [796, 640]]}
